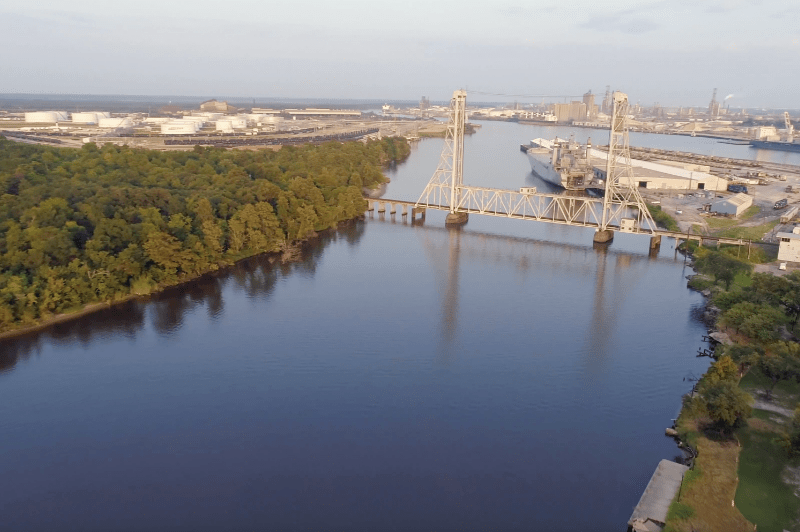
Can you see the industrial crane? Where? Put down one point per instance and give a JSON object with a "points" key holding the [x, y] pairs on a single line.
{"points": [[789, 127]]}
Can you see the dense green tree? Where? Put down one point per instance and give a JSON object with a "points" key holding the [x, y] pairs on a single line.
{"points": [[726, 403], [793, 436], [782, 363], [722, 266], [759, 322], [78, 226]]}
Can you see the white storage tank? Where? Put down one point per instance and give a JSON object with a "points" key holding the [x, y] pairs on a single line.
{"points": [[224, 126], [180, 127], [45, 117], [86, 118], [115, 122], [238, 122], [198, 119]]}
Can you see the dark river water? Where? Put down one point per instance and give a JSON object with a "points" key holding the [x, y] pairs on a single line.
{"points": [[504, 376]]}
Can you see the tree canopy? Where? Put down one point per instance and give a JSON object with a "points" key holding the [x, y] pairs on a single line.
{"points": [[97, 224]]}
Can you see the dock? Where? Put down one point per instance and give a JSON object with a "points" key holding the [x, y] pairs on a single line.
{"points": [[650, 514]]}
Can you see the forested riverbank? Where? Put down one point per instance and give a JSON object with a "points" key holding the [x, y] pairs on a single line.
{"points": [[743, 418], [93, 225]]}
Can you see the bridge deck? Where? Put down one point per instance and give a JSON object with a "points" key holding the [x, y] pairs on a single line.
{"points": [[552, 218]]}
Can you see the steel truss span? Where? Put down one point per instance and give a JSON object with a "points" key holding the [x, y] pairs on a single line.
{"points": [[554, 208]]}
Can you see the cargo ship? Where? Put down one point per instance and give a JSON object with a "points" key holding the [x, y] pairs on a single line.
{"points": [[564, 163], [775, 145]]}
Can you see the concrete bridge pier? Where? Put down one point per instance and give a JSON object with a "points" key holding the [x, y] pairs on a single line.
{"points": [[601, 236], [417, 210], [655, 242], [456, 218]]}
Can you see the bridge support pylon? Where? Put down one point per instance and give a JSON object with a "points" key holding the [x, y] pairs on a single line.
{"points": [[655, 242], [602, 236], [456, 218]]}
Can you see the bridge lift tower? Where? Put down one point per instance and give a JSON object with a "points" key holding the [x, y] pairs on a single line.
{"points": [[622, 196], [449, 176]]}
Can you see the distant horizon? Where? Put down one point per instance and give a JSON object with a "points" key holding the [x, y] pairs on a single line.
{"points": [[186, 98]]}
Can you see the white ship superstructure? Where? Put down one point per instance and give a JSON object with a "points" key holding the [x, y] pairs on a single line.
{"points": [[564, 163]]}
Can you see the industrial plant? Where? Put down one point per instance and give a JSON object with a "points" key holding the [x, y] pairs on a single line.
{"points": [[215, 123]]}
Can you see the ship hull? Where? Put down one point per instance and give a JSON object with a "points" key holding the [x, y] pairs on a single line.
{"points": [[773, 145], [542, 167]]}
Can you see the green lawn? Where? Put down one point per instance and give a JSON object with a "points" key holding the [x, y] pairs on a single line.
{"points": [[742, 280], [749, 233], [721, 222], [724, 223], [762, 496], [785, 394]]}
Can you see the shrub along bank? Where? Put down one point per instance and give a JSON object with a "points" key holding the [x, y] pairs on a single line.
{"points": [[80, 226]]}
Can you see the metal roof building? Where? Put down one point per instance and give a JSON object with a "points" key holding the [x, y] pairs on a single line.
{"points": [[734, 206]]}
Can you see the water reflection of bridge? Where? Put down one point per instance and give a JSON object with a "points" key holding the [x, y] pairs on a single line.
{"points": [[449, 249]]}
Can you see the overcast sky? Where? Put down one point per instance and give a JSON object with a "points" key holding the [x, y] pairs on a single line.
{"points": [[673, 52]]}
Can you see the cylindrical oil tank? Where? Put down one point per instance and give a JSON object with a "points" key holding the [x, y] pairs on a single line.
{"points": [[224, 126], [43, 117], [115, 122], [84, 118], [179, 127]]}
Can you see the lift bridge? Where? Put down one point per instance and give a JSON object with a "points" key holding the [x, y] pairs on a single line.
{"points": [[621, 208]]}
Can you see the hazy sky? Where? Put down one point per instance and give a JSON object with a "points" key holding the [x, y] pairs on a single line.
{"points": [[673, 52]]}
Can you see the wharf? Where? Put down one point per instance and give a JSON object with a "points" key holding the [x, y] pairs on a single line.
{"points": [[650, 514]]}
